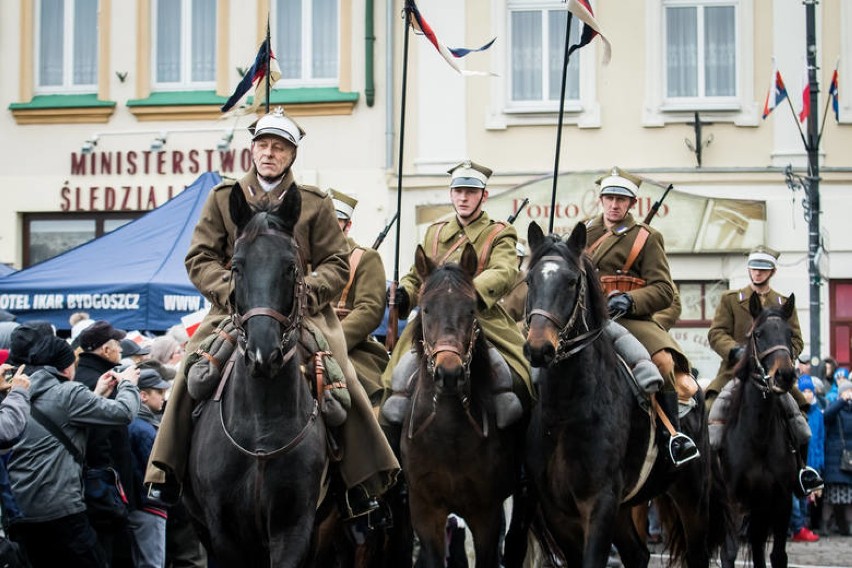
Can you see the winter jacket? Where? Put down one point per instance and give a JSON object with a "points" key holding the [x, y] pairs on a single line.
{"points": [[842, 409], [143, 430], [14, 411], [46, 480], [816, 447]]}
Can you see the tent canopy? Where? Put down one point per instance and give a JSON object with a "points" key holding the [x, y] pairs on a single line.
{"points": [[133, 277]]}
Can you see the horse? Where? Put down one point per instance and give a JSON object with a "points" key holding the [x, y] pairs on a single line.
{"points": [[588, 437], [259, 448], [757, 461], [454, 457]]}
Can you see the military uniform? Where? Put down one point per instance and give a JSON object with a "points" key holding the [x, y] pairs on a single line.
{"points": [[731, 325], [367, 458], [491, 284], [668, 317], [360, 313], [516, 300]]}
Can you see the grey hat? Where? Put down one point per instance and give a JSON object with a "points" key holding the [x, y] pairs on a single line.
{"points": [[130, 348], [151, 379]]}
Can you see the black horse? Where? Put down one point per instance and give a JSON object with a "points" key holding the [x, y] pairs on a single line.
{"points": [[455, 458], [591, 451], [758, 464], [259, 447]]}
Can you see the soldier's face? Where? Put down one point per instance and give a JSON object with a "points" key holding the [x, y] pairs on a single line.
{"points": [[468, 201], [272, 156], [759, 277], [615, 207]]}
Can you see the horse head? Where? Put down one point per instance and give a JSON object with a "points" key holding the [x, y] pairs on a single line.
{"points": [[770, 345], [564, 301], [266, 272], [448, 318]]}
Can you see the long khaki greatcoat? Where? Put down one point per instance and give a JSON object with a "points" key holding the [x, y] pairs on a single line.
{"points": [[652, 265], [360, 314], [491, 284], [515, 301], [731, 325], [367, 457]]}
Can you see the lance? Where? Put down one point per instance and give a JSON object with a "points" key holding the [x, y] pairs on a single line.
{"points": [[393, 311], [561, 114], [380, 239], [268, 62], [511, 219]]}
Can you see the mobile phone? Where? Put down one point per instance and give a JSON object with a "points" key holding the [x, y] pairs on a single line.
{"points": [[8, 375]]}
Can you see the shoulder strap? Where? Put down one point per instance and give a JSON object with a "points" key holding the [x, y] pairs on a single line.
{"points": [[354, 259], [637, 248], [57, 433], [437, 239], [486, 250], [595, 245]]}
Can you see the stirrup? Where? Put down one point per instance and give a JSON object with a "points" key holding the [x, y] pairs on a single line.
{"points": [[165, 494], [809, 481], [687, 443], [357, 502]]}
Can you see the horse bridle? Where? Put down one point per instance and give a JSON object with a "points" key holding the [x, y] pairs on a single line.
{"points": [[289, 323], [765, 380], [569, 346]]}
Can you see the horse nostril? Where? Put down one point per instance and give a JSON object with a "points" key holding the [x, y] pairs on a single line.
{"points": [[448, 379], [541, 356]]}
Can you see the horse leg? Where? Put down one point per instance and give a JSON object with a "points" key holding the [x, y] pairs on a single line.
{"points": [[486, 526], [429, 523], [758, 533], [600, 515], [516, 543], [778, 556], [290, 547], [629, 541]]}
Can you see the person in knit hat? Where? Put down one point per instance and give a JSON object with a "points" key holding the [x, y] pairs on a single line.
{"points": [[815, 460]]}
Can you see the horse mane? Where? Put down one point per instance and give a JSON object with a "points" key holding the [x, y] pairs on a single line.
{"points": [[262, 220]]}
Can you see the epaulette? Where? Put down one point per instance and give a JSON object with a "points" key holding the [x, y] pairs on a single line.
{"points": [[314, 189], [225, 183]]}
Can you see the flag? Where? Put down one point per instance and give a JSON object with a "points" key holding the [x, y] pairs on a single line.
{"points": [[806, 95], [450, 54], [582, 10], [832, 92], [256, 73], [192, 321], [777, 93]]}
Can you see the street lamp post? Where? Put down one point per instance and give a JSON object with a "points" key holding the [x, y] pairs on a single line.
{"points": [[812, 195]]}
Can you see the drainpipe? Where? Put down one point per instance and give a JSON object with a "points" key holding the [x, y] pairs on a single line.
{"points": [[369, 43]]}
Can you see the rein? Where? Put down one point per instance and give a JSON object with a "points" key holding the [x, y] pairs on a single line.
{"points": [[569, 346]]}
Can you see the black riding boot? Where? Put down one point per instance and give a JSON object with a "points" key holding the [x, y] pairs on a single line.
{"points": [[680, 448]]}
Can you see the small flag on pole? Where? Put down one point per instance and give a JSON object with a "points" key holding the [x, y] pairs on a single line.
{"points": [[192, 321], [777, 92], [450, 54], [806, 95], [833, 93], [255, 74], [582, 10]]}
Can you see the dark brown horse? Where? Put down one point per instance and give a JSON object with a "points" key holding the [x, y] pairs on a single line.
{"points": [[455, 458], [758, 464], [259, 450], [589, 438]]}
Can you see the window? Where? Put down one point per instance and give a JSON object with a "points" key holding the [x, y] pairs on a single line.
{"points": [[537, 39], [184, 44], [699, 300], [306, 42], [49, 234], [66, 46]]}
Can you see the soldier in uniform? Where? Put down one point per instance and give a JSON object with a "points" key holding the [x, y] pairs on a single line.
{"points": [[634, 272], [494, 242], [515, 301], [361, 305], [370, 467], [729, 332]]}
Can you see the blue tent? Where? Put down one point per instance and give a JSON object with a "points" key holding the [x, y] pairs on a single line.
{"points": [[134, 276]]}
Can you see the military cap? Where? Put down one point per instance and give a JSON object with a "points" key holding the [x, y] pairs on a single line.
{"points": [[276, 123], [619, 182], [344, 205], [763, 258], [469, 174]]}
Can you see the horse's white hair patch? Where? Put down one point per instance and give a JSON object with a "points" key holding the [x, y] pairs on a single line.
{"points": [[548, 269]]}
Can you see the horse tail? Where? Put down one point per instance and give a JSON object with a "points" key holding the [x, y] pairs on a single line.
{"points": [[676, 544], [721, 513]]}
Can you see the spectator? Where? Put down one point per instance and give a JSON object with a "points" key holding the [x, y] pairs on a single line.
{"points": [[14, 411], [838, 483], [148, 522], [77, 329], [6, 329], [166, 350], [815, 459], [841, 376], [77, 317], [46, 479], [133, 353]]}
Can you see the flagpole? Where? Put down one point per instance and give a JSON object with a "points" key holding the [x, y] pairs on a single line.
{"points": [[824, 116], [393, 310], [796, 120], [268, 62], [561, 113]]}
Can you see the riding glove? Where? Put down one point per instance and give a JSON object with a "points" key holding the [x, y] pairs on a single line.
{"points": [[401, 300], [621, 304], [735, 354]]}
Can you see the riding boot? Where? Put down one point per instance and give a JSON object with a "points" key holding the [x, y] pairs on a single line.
{"points": [[357, 502], [680, 448], [395, 408], [507, 406]]}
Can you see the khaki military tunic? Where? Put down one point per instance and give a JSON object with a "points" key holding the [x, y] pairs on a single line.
{"points": [[651, 265], [731, 325], [516, 300], [495, 280], [367, 457], [668, 317], [360, 314]]}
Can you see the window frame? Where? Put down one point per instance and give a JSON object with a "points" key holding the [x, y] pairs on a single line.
{"points": [[707, 321], [67, 86], [185, 83], [99, 218], [307, 48]]}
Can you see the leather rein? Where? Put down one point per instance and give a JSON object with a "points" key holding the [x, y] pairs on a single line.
{"points": [[765, 380], [569, 343]]}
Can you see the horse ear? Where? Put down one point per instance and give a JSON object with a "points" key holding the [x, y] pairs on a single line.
{"points": [[577, 239], [290, 208], [789, 307], [754, 305], [535, 236], [422, 263], [469, 263], [239, 208]]}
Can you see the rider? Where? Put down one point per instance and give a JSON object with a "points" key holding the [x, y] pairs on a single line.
{"points": [[729, 333], [370, 467], [361, 305], [494, 242], [634, 272], [515, 301]]}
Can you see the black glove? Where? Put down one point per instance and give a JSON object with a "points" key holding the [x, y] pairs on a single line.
{"points": [[621, 304], [735, 354], [401, 300]]}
